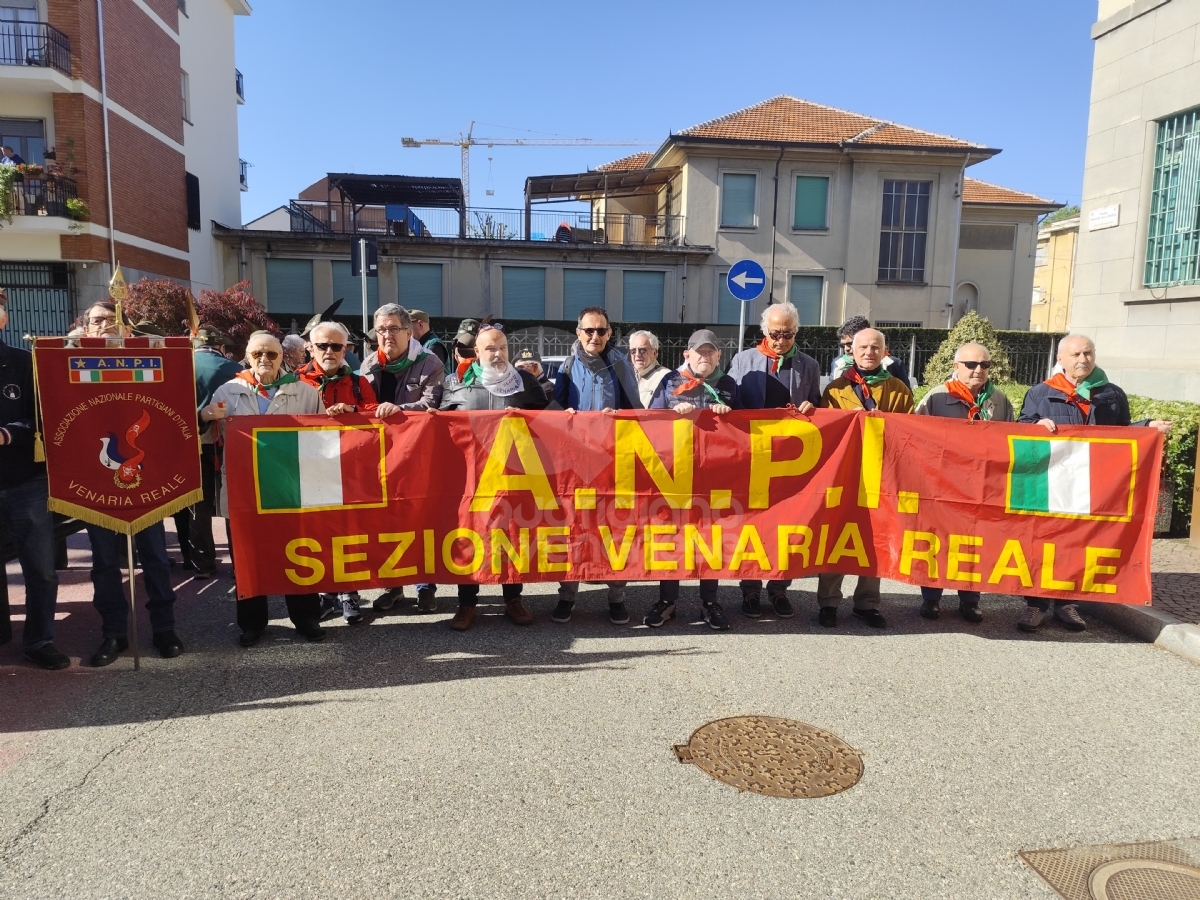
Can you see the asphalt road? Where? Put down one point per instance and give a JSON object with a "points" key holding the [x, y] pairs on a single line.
{"points": [[400, 759]]}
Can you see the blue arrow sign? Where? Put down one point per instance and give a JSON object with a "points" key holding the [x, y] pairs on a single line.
{"points": [[746, 280]]}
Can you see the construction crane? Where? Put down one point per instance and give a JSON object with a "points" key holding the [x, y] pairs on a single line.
{"points": [[467, 141]]}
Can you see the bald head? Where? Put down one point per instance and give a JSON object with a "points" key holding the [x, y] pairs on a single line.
{"points": [[1077, 356], [870, 347], [972, 351], [972, 363]]}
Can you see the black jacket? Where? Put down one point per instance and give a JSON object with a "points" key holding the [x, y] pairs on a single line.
{"points": [[17, 417], [1110, 406], [475, 397]]}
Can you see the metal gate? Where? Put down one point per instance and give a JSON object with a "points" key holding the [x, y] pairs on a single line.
{"points": [[40, 300]]}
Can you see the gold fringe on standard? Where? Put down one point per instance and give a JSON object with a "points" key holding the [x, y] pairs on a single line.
{"points": [[94, 517]]}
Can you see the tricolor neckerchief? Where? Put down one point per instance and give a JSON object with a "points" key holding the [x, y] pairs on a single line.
{"points": [[975, 408], [777, 359], [691, 381], [1079, 395], [414, 355], [865, 380], [264, 390]]}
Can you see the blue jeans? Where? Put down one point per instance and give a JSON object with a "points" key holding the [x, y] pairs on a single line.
{"points": [[109, 594], [934, 595], [32, 528]]}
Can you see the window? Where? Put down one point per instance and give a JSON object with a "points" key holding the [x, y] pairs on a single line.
{"points": [[728, 306], [899, 323], [419, 286], [582, 288], [986, 237], [192, 186], [806, 293], [348, 288], [524, 292], [1173, 234], [738, 193], [40, 299], [1043, 253], [26, 136], [290, 286], [643, 294], [186, 87], [812, 202], [903, 231]]}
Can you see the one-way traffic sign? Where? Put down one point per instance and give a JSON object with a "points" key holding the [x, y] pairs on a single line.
{"points": [[746, 280]]}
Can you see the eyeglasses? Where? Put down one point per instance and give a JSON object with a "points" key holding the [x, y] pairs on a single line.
{"points": [[271, 355], [102, 320], [973, 365], [391, 329], [336, 348], [640, 351], [781, 335], [594, 332], [847, 345]]}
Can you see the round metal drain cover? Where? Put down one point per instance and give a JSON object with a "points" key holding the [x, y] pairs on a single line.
{"points": [[1144, 879], [775, 757]]}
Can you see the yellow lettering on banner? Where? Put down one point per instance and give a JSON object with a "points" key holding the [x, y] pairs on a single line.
{"points": [[501, 545], [822, 545], [764, 467], [341, 558], [1049, 582], [787, 548], [618, 557], [513, 431], [850, 543], [955, 558], [749, 546], [632, 445], [546, 547], [1092, 567], [910, 554], [693, 541], [870, 476], [1011, 562], [477, 554], [651, 548], [315, 566], [430, 550], [403, 540]]}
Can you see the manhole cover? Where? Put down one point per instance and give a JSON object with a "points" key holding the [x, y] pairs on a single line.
{"points": [[1155, 870], [775, 757]]}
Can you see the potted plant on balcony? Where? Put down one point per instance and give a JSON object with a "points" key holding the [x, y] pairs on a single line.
{"points": [[78, 213], [8, 196]]}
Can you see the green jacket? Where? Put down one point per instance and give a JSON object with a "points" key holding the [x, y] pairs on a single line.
{"points": [[212, 371]]}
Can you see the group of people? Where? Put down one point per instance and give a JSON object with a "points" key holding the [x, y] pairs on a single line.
{"points": [[413, 370]]}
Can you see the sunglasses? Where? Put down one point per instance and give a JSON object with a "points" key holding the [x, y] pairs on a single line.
{"points": [[640, 351], [781, 335], [497, 327], [848, 345], [271, 355], [594, 332], [973, 365], [336, 348]]}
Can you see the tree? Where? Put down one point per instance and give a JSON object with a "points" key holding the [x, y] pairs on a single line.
{"points": [[162, 302], [236, 314], [1058, 215], [971, 328]]}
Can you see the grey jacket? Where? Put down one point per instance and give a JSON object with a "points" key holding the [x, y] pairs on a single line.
{"points": [[940, 402], [758, 388], [416, 388]]}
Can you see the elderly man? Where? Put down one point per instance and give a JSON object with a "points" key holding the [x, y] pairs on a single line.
{"points": [[529, 360], [403, 375], [108, 554], [594, 378], [845, 335], [23, 502], [643, 353], [1077, 393], [772, 375], [342, 392], [430, 341], [968, 394], [492, 382], [294, 353], [866, 385]]}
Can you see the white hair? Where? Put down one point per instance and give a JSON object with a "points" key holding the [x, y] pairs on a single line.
{"points": [[788, 308], [293, 342], [337, 326], [650, 336], [1077, 337], [394, 309]]}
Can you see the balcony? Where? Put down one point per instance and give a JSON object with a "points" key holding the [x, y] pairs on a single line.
{"points": [[46, 196], [239, 82], [34, 45], [567, 227], [244, 176]]}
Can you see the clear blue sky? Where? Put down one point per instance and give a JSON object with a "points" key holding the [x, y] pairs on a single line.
{"points": [[333, 87]]}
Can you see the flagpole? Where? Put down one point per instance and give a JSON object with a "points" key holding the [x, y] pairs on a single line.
{"points": [[133, 629]]}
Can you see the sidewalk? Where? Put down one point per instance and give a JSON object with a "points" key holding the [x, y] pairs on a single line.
{"points": [[1176, 570]]}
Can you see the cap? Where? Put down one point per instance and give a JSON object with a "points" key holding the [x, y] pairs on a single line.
{"points": [[208, 336], [702, 337], [529, 355], [419, 315], [148, 329], [326, 316]]}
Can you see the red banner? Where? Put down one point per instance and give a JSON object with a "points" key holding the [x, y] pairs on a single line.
{"points": [[118, 423], [337, 505]]}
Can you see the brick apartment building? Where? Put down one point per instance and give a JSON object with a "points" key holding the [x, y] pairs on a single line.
{"points": [[168, 82]]}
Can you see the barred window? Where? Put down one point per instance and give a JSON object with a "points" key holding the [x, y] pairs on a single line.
{"points": [[903, 231], [1173, 235]]}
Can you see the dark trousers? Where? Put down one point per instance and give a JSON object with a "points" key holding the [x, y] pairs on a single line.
{"points": [[183, 531], [669, 590], [200, 533], [32, 530], [934, 595], [773, 587], [303, 609], [109, 598], [468, 594]]}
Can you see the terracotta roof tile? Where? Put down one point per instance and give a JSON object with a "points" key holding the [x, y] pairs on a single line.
{"points": [[976, 191], [626, 163]]}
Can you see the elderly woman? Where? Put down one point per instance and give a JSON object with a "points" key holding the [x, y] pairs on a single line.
{"points": [[265, 390]]}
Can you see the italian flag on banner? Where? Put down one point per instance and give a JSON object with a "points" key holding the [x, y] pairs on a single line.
{"points": [[1076, 478], [307, 469]]}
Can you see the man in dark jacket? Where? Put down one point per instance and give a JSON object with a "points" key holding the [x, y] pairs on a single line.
{"points": [[529, 360], [1078, 393], [23, 502], [491, 382], [212, 371], [429, 340]]}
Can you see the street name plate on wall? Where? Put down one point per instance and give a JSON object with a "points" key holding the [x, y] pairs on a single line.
{"points": [[1104, 217]]}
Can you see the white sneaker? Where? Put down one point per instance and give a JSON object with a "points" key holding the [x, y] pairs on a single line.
{"points": [[1031, 619]]}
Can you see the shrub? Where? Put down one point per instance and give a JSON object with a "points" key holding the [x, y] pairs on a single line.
{"points": [[970, 328], [161, 302], [236, 314], [1179, 450]]}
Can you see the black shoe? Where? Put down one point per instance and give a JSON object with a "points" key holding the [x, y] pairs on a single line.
{"points": [[426, 600], [312, 631], [970, 612], [782, 605], [387, 599], [108, 651], [828, 617], [661, 612], [250, 638], [188, 564], [330, 607], [929, 609], [752, 604], [168, 644], [714, 616], [205, 575], [48, 657], [618, 614], [872, 617], [562, 612]]}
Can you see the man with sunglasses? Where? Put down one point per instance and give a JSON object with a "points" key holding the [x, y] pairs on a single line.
{"points": [[772, 375], [643, 353], [595, 378], [968, 394]]}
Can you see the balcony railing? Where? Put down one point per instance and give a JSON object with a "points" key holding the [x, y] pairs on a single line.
{"points": [[244, 176], [568, 227], [42, 196], [239, 85], [34, 44]]}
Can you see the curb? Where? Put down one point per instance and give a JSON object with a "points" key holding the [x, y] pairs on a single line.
{"points": [[1151, 625]]}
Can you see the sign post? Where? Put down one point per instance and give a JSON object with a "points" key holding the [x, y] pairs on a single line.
{"points": [[746, 281]]}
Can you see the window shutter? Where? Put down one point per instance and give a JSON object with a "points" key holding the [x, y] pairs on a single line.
{"points": [[582, 288], [812, 196], [349, 288], [727, 304], [290, 286], [805, 294], [192, 184], [524, 292], [737, 200], [420, 286], [643, 296]]}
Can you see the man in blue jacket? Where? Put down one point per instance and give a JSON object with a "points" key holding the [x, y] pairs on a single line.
{"points": [[595, 378]]}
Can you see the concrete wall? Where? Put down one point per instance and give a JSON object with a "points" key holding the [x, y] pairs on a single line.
{"points": [[1146, 68], [1051, 308]]}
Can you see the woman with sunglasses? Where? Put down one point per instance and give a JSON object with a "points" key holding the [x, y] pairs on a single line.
{"points": [[265, 390]]}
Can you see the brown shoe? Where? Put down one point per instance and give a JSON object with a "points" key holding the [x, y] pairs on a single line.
{"points": [[517, 613], [463, 619]]}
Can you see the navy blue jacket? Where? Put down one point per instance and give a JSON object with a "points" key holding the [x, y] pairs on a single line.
{"points": [[1110, 406], [17, 418], [666, 398]]}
